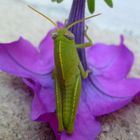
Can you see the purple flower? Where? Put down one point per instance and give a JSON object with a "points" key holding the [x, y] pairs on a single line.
{"points": [[106, 90]]}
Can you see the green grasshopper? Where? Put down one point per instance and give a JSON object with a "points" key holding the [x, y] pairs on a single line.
{"points": [[67, 74]]}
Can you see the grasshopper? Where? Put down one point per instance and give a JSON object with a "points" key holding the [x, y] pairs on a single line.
{"points": [[67, 74]]}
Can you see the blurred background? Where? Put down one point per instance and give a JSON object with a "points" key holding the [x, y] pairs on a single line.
{"points": [[123, 17]]}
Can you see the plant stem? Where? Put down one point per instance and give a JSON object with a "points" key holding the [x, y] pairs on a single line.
{"points": [[78, 12]]}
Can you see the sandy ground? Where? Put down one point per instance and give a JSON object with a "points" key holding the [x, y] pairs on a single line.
{"points": [[15, 99]]}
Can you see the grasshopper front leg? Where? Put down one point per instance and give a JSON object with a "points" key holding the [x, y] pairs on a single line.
{"points": [[58, 105], [88, 44], [83, 72]]}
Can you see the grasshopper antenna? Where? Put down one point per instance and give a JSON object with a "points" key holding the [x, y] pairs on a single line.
{"points": [[49, 19], [81, 20]]}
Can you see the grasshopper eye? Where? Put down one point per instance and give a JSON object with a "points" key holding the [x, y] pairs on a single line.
{"points": [[69, 36], [54, 35]]}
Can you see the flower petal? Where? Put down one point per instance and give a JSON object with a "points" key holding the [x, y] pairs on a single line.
{"points": [[100, 103], [86, 128], [111, 65], [22, 59], [23, 54], [47, 51], [110, 61], [44, 100], [127, 87]]}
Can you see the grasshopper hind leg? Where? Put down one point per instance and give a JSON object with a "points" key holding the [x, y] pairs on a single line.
{"points": [[58, 105], [74, 104]]}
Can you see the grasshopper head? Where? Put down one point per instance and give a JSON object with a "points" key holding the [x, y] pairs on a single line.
{"points": [[63, 33]]}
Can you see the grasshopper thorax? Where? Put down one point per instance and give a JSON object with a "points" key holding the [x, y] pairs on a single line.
{"points": [[63, 33]]}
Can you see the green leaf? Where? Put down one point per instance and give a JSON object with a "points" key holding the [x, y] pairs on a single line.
{"points": [[58, 1], [91, 6], [109, 3]]}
